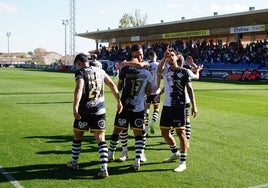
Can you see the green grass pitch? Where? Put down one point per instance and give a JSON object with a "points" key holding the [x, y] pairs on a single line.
{"points": [[229, 141]]}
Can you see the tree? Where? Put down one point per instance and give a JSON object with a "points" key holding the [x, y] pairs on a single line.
{"points": [[128, 20], [139, 19], [39, 50], [38, 55], [22, 55], [30, 53]]}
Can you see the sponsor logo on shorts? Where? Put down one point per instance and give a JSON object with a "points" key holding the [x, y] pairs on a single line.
{"points": [[101, 124], [138, 122], [82, 125], [122, 121]]}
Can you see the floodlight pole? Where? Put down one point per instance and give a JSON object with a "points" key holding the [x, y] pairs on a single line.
{"points": [[8, 35], [65, 23]]}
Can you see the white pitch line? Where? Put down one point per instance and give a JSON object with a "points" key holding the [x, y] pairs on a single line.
{"points": [[259, 186], [10, 178], [230, 99]]}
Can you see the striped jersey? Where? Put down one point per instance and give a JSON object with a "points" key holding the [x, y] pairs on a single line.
{"points": [[134, 86], [174, 84], [92, 101]]}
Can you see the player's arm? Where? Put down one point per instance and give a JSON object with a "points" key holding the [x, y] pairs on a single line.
{"points": [[108, 81], [192, 98], [138, 65], [191, 62], [77, 97], [157, 97], [194, 68], [193, 76], [161, 64], [134, 63], [158, 80]]}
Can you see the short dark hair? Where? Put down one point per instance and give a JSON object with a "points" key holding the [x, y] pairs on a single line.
{"points": [[151, 53], [180, 59], [135, 47], [81, 57]]}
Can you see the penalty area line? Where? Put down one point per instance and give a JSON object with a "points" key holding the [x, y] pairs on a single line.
{"points": [[10, 178]]}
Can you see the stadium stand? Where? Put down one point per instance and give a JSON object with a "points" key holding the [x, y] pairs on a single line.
{"points": [[224, 44]]}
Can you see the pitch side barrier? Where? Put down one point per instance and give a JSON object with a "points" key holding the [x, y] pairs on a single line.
{"points": [[225, 73]]}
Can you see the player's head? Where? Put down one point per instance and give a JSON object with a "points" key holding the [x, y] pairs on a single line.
{"points": [[81, 60], [180, 60], [174, 58], [170, 56], [94, 56], [136, 52], [152, 55]]}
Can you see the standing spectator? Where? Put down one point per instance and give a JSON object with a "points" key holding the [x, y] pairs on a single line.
{"points": [[135, 85], [176, 79], [89, 109]]}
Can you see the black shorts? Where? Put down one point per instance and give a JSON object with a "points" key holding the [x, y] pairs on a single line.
{"points": [[128, 117], [92, 122], [150, 100], [172, 117]]}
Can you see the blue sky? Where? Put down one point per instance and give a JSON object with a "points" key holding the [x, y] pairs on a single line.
{"points": [[35, 23]]}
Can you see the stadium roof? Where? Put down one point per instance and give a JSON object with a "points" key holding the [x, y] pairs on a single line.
{"points": [[251, 17]]}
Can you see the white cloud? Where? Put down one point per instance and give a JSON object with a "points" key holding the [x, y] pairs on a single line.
{"points": [[173, 5], [113, 5], [228, 8], [8, 8], [237, 8], [101, 12]]}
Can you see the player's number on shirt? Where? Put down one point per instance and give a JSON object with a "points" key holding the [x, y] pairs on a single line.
{"points": [[136, 86], [94, 91]]}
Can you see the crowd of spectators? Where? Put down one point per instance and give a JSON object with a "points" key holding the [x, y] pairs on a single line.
{"points": [[212, 54], [207, 52]]}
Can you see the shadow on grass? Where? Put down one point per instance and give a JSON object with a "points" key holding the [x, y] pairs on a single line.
{"points": [[48, 70], [34, 93], [90, 145], [67, 102], [61, 172], [63, 138], [88, 170]]}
